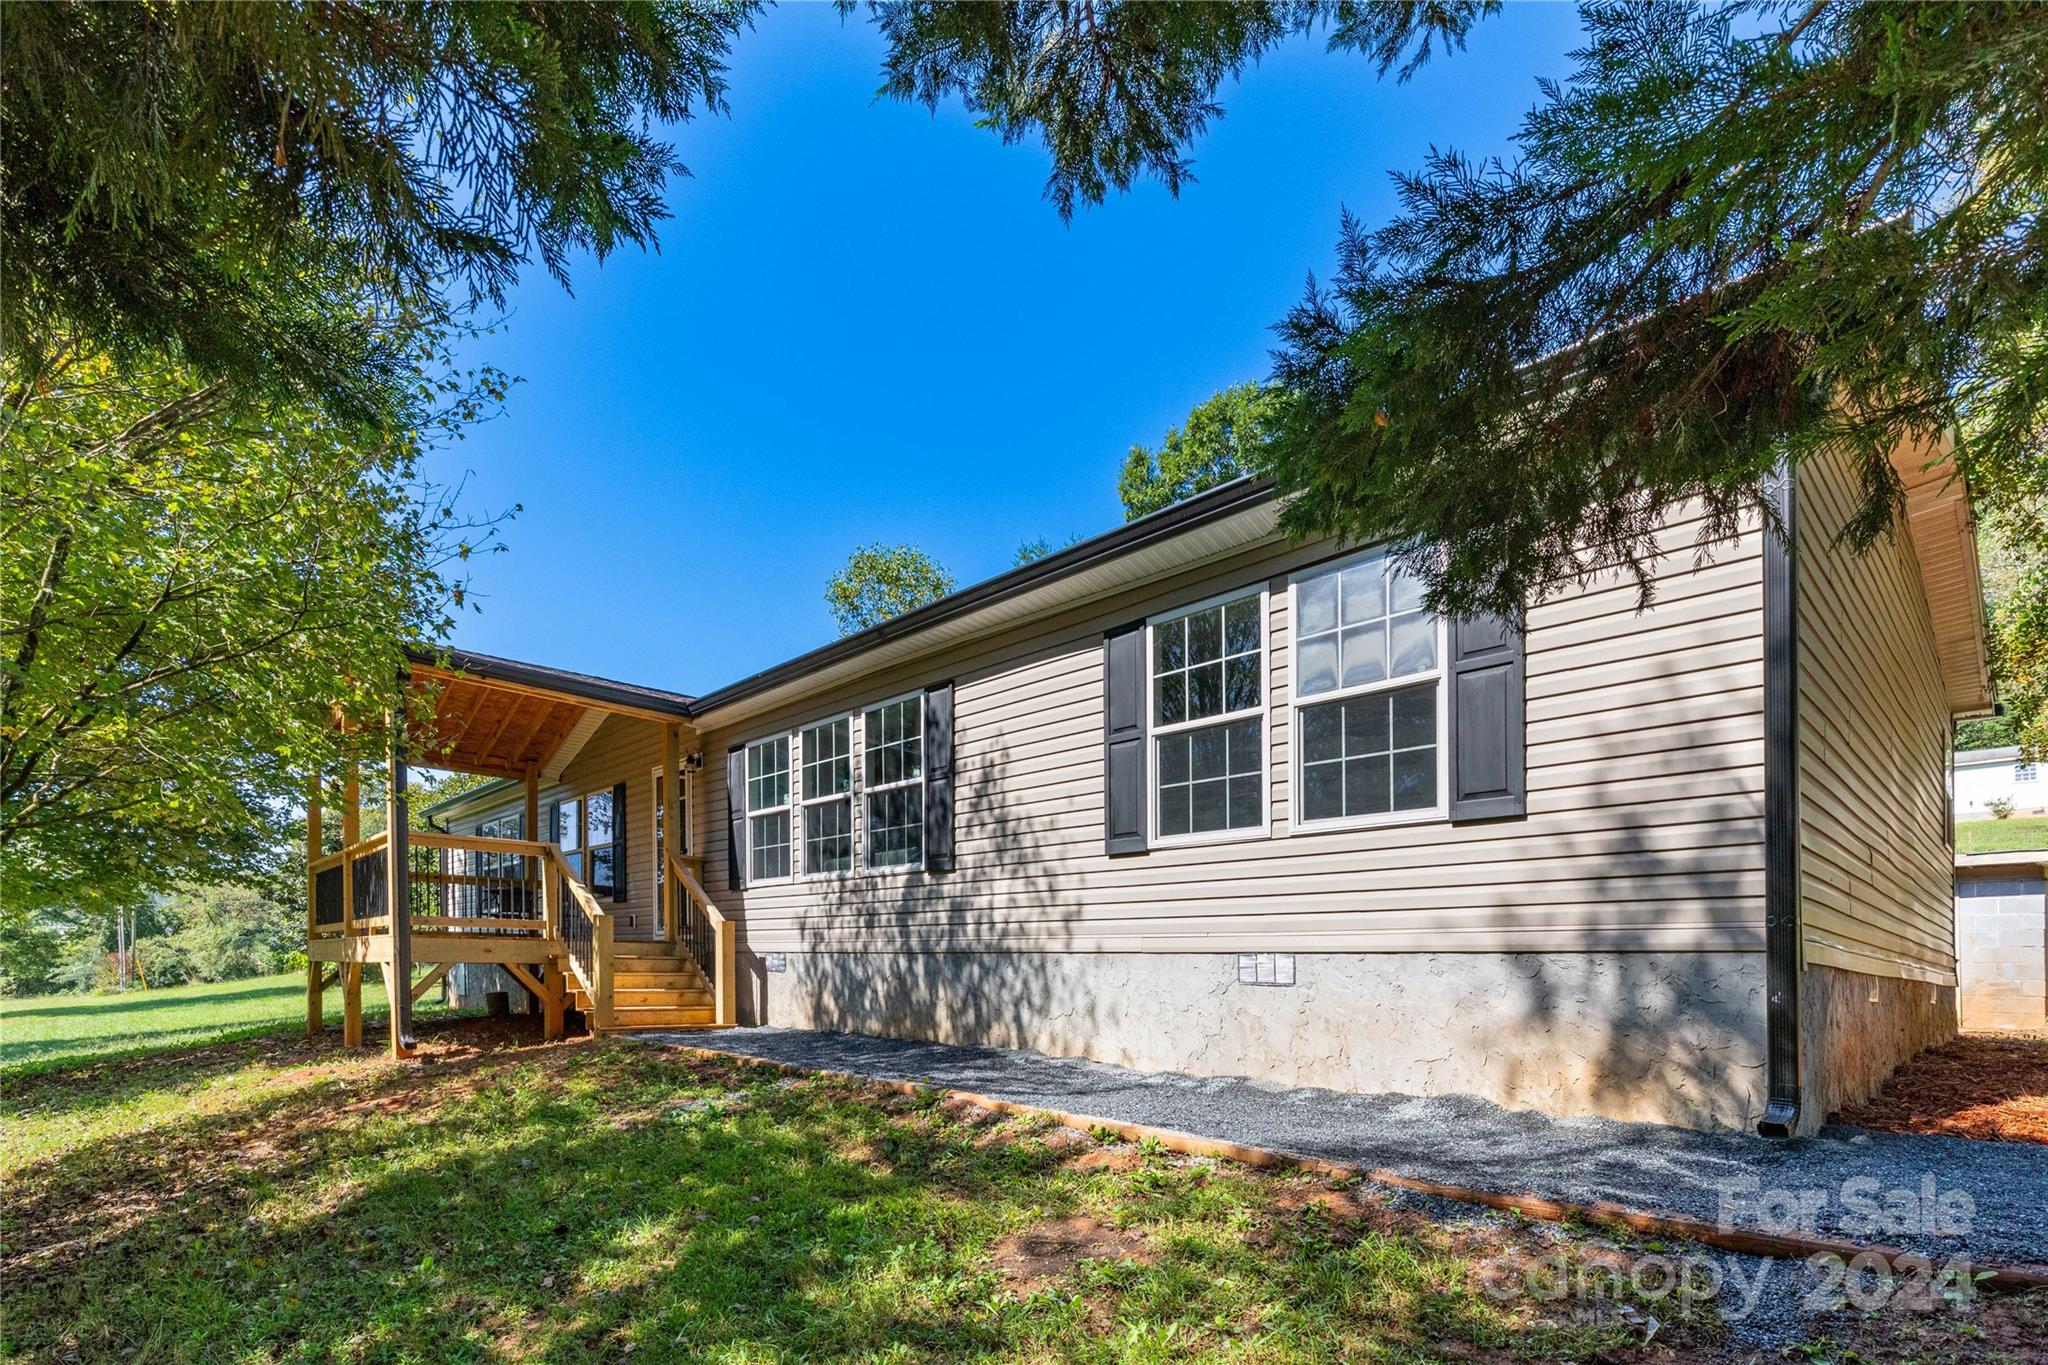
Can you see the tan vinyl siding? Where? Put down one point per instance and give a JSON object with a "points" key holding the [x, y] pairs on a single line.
{"points": [[1645, 800], [1876, 866]]}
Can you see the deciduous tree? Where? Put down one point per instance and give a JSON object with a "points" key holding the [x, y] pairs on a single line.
{"points": [[1224, 437], [195, 581], [883, 581]]}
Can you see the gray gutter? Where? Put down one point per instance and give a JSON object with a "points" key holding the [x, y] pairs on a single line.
{"points": [[1214, 505]]}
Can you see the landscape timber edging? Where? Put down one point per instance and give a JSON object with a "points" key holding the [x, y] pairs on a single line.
{"points": [[1747, 1242]]}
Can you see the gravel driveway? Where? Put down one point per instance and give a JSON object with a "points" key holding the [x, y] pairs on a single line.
{"points": [[1989, 1199]]}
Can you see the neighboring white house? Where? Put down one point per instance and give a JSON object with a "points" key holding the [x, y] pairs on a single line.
{"points": [[1986, 775]]}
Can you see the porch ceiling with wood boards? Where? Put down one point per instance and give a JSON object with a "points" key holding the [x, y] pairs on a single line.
{"points": [[501, 718]]}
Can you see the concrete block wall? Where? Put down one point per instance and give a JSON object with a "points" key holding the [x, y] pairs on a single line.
{"points": [[2002, 945]]}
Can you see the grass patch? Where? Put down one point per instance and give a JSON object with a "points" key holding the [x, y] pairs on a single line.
{"points": [[2021, 833], [281, 1200], [50, 1030]]}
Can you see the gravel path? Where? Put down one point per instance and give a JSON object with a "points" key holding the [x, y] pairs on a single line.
{"points": [[1990, 1198]]}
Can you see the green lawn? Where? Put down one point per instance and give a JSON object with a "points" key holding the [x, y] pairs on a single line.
{"points": [[2021, 832], [49, 1029], [279, 1199]]}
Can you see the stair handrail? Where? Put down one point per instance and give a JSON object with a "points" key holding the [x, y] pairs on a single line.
{"points": [[723, 969], [569, 908]]}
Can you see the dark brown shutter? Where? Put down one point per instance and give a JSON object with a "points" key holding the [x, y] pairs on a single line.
{"points": [[1489, 775], [1123, 740], [554, 822], [736, 814], [938, 777], [620, 824]]}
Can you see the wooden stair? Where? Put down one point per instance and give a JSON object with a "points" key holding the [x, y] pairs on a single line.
{"points": [[654, 985]]}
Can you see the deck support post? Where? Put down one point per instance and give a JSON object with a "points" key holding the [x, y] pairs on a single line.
{"points": [[534, 870], [671, 899], [351, 1004], [553, 1000], [398, 864], [313, 969]]}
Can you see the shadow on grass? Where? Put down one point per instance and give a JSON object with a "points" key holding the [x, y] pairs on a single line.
{"points": [[443, 1211], [142, 1002], [506, 1199]]}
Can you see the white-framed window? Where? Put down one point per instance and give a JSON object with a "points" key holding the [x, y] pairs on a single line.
{"points": [[768, 809], [825, 795], [1368, 705], [892, 782], [1206, 697], [2026, 772], [587, 828]]}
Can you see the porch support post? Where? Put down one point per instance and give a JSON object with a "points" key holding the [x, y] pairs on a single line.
{"points": [[398, 870], [351, 971], [351, 835], [533, 815], [671, 828], [313, 969]]}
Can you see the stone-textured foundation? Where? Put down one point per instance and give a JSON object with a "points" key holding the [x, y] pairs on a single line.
{"points": [[1857, 1029], [1665, 1037]]}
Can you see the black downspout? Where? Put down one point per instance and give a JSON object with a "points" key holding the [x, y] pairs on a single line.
{"points": [[1782, 928]]}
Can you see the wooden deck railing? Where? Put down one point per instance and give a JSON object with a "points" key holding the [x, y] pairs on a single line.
{"points": [[586, 930], [518, 892], [708, 936]]}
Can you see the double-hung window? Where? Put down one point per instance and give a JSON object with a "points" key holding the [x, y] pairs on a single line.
{"points": [[1368, 695], [1208, 705], [2026, 772], [826, 796], [588, 831], [768, 809], [892, 772]]}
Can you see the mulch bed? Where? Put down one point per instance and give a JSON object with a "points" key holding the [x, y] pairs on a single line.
{"points": [[1991, 1086]]}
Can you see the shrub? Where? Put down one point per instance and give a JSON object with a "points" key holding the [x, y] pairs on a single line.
{"points": [[2000, 807]]}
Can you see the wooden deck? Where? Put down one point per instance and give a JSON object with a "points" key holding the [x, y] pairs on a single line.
{"points": [[402, 897]]}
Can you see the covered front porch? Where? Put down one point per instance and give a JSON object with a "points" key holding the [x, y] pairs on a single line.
{"points": [[404, 898]]}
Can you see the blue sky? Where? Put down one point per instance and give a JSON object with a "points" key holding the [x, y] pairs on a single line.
{"points": [[865, 323]]}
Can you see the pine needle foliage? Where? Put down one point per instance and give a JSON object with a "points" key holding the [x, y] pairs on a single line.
{"points": [[185, 175], [1118, 90], [1735, 235]]}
